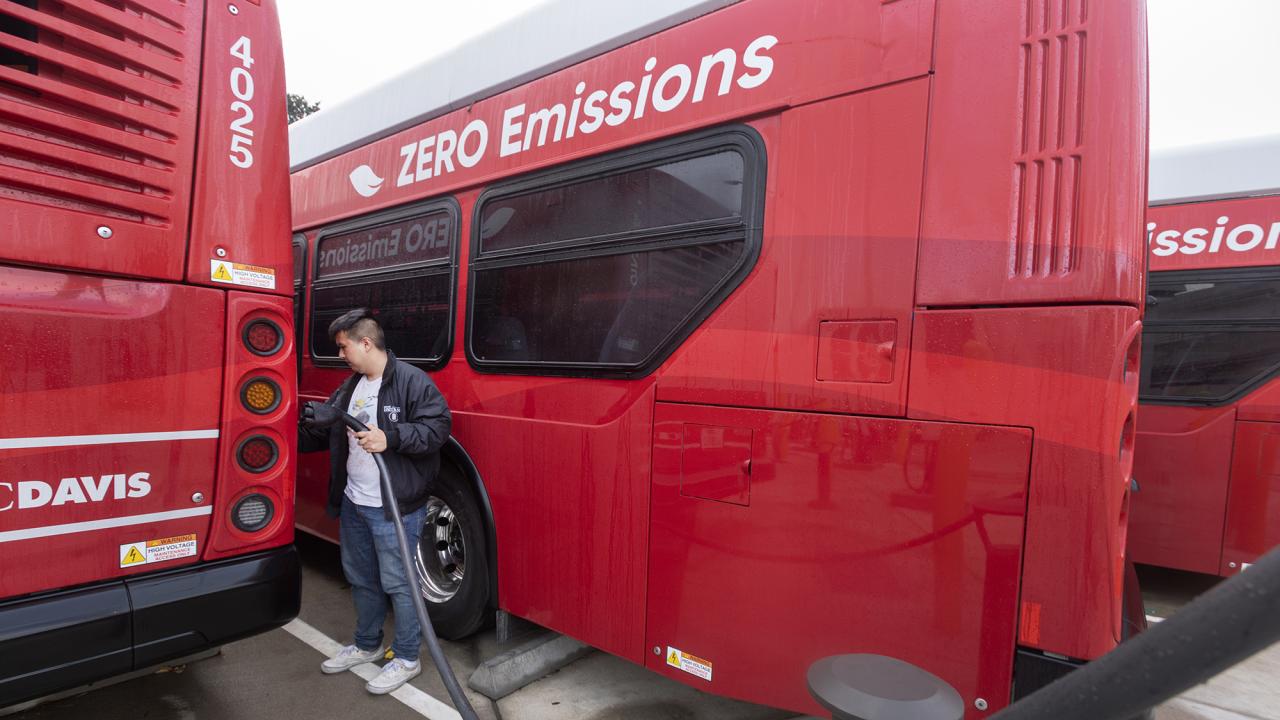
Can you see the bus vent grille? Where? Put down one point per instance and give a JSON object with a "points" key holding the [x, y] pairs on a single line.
{"points": [[93, 97], [1047, 165]]}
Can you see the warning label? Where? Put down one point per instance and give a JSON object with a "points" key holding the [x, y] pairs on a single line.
{"points": [[691, 664], [154, 551], [134, 554], [232, 273]]}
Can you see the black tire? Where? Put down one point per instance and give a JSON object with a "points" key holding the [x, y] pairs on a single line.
{"points": [[465, 610]]}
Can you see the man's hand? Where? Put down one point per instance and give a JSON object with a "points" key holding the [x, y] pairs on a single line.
{"points": [[373, 441]]}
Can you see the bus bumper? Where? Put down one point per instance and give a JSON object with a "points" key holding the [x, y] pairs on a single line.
{"points": [[70, 638]]}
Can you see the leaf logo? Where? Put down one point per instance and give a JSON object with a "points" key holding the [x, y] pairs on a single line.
{"points": [[366, 181]]}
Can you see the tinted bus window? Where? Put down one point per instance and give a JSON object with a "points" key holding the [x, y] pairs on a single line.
{"points": [[399, 266], [1210, 335], [677, 193], [610, 268], [299, 280], [619, 307], [1213, 299]]}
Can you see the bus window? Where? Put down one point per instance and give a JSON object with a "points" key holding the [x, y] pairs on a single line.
{"points": [[397, 264], [299, 278], [1209, 335], [610, 267], [643, 200]]}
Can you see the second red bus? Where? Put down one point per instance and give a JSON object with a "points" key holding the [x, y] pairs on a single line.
{"points": [[771, 331]]}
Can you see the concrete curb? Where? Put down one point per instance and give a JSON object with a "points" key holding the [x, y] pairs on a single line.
{"points": [[532, 660]]}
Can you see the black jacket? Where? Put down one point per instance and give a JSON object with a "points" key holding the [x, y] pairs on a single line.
{"points": [[413, 415]]}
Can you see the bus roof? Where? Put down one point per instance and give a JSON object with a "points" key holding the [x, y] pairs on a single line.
{"points": [[551, 36], [1236, 168]]}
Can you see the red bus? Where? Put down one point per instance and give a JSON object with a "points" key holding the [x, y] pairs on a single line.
{"points": [[1209, 430], [815, 324], [148, 432]]}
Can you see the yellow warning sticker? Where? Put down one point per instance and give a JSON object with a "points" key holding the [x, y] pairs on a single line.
{"points": [[131, 555], [234, 273], [155, 551], [691, 664], [220, 272]]}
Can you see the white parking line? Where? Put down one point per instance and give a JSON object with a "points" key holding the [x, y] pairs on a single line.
{"points": [[422, 703]]}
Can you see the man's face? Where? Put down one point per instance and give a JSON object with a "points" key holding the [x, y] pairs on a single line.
{"points": [[354, 352]]}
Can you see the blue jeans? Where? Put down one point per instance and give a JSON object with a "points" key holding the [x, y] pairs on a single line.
{"points": [[372, 563]]}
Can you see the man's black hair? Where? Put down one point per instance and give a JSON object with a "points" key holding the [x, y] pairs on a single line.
{"points": [[358, 324]]}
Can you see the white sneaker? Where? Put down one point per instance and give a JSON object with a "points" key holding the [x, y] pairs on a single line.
{"points": [[393, 675], [348, 657]]}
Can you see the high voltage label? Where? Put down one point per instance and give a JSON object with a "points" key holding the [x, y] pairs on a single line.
{"points": [[691, 664], [234, 273], [155, 551]]}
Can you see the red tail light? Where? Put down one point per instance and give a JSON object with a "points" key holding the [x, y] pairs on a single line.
{"points": [[263, 337], [257, 454]]}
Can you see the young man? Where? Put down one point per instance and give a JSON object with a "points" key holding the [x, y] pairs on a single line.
{"points": [[408, 423]]}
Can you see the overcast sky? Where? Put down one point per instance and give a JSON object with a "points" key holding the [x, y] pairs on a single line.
{"points": [[1215, 69]]}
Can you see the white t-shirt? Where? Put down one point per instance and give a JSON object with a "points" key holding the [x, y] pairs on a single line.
{"points": [[364, 487]]}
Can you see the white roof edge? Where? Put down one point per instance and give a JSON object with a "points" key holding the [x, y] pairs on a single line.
{"points": [[1246, 167], [548, 38]]}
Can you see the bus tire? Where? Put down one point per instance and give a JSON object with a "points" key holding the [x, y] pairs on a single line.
{"points": [[452, 560]]}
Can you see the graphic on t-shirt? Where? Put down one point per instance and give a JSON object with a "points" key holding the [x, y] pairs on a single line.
{"points": [[359, 405]]}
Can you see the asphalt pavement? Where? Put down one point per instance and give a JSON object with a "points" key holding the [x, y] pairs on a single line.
{"points": [[277, 674]]}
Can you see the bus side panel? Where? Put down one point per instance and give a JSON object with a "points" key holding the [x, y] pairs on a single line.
{"points": [[1181, 464], [1253, 511], [824, 320], [94, 368], [1263, 404], [1041, 368], [916, 527], [1036, 183], [313, 491], [313, 467], [566, 463], [314, 384], [241, 201]]}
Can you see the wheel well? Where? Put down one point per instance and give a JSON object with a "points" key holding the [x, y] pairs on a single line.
{"points": [[454, 454]]}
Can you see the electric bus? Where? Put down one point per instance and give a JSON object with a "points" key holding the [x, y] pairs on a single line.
{"points": [[1208, 452], [149, 383], [771, 330]]}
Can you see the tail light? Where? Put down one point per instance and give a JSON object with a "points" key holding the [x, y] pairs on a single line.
{"points": [[263, 337], [253, 499], [260, 395], [252, 513], [257, 454], [1128, 398]]}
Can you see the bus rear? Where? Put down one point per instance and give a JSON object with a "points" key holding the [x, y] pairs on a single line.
{"points": [[147, 437], [1209, 430]]}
